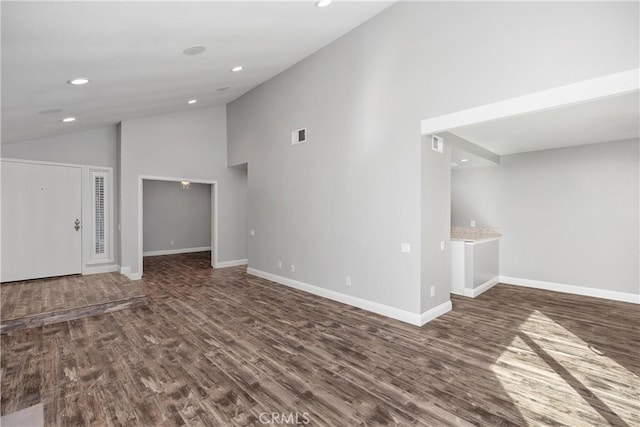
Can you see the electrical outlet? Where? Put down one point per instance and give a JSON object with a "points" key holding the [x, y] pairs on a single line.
{"points": [[279, 265], [347, 281], [172, 243], [252, 232], [405, 248], [442, 245], [293, 268], [473, 222], [433, 291]]}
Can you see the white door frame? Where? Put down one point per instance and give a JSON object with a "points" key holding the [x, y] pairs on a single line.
{"points": [[214, 213]]}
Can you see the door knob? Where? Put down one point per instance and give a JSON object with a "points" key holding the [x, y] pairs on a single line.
{"points": [[77, 224]]}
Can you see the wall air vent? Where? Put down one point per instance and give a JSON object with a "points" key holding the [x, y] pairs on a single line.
{"points": [[299, 136], [437, 143]]}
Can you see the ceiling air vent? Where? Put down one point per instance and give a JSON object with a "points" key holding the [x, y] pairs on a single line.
{"points": [[437, 143], [299, 136]]}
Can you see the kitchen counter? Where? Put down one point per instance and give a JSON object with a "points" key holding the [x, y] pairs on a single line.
{"points": [[474, 234]]}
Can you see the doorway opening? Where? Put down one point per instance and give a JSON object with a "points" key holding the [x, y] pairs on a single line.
{"points": [[527, 155], [177, 216]]}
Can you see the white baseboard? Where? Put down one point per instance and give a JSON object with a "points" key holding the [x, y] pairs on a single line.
{"points": [[176, 251], [131, 276], [385, 310], [99, 269], [474, 292], [224, 264], [436, 311], [572, 289]]}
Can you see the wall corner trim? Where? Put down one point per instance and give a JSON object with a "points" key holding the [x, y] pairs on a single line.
{"points": [[234, 263], [382, 309], [572, 289], [474, 292], [436, 311], [126, 271]]}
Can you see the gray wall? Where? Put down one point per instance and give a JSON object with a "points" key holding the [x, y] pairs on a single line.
{"points": [[342, 203], [172, 213], [190, 145], [94, 147], [436, 225], [568, 216]]}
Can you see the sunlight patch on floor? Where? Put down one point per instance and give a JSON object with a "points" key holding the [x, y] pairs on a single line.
{"points": [[547, 370]]}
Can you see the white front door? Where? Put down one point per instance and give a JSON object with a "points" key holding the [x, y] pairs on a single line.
{"points": [[40, 207]]}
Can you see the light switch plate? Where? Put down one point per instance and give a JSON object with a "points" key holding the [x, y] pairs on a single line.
{"points": [[405, 248]]}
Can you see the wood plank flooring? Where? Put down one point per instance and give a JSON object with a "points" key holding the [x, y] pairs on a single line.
{"points": [[41, 302], [31, 297], [220, 348]]}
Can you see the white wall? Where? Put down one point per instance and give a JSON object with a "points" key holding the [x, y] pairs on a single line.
{"points": [[341, 204], [94, 147], [568, 216], [190, 145], [485, 257], [175, 214]]}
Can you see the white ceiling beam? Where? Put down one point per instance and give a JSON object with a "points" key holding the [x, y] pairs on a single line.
{"points": [[562, 96]]}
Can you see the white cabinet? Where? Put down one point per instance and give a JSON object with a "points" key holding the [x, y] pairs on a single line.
{"points": [[474, 266]]}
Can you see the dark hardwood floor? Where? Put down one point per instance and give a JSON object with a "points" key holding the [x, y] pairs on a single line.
{"points": [[41, 302], [220, 348], [31, 297]]}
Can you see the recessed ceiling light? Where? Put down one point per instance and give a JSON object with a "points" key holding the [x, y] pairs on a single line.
{"points": [[323, 3], [222, 89], [79, 81], [454, 164], [68, 119], [51, 111], [192, 101], [237, 68], [194, 50], [464, 160]]}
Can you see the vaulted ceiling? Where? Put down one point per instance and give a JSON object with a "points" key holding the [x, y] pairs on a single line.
{"points": [[132, 52]]}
